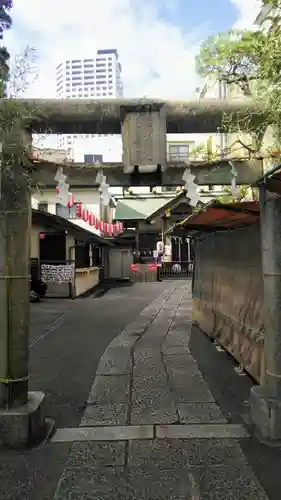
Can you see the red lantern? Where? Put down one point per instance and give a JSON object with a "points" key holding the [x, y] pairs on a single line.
{"points": [[71, 201], [102, 226], [79, 210], [111, 229], [92, 219], [97, 223], [85, 214], [114, 228]]}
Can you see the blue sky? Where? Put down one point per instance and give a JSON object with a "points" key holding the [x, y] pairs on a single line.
{"points": [[217, 15]]}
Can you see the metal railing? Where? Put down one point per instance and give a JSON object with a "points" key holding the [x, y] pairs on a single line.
{"points": [[166, 271], [176, 270]]}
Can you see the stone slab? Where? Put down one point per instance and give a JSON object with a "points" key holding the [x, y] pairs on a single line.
{"points": [[110, 389], [105, 414], [111, 433], [189, 387], [191, 394], [146, 354], [156, 454], [127, 340], [152, 404], [175, 350], [185, 363], [200, 413], [229, 483], [90, 483], [115, 361], [212, 452], [159, 485], [97, 454], [151, 415], [23, 426], [204, 431], [158, 380], [177, 453], [181, 324], [156, 397]]}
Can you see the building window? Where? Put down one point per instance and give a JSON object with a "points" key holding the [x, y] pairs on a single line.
{"points": [[62, 211], [72, 212], [82, 255], [98, 158], [178, 152], [43, 206], [65, 212], [96, 257], [88, 159]]}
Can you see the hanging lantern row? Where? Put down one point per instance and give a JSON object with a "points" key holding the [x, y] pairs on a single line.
{"points": [[83, 213]]}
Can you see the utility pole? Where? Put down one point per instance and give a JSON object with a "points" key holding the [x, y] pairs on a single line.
{"points": [[20, 411]]}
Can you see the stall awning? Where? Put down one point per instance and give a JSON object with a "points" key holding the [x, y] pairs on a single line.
{"points": [[271, 180], [55, 221], [217, 216]]}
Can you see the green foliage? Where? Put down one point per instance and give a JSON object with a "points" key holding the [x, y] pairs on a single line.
{"points": [[271, 65], [203, 153], [229, 198], [4, 70], [251, 60], [233, 56], [5, 23]]}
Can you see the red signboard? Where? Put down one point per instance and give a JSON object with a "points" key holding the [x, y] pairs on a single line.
{"points": [[135, 268], [152, 267]]}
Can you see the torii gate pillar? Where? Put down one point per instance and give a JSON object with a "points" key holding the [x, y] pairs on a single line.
{"points": [[265, 399]]}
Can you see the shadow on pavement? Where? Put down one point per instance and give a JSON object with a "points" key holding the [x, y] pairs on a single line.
{"points": [[231, 391]]}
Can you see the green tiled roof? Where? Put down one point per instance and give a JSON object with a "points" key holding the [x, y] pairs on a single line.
{"points": [[139, 208]]}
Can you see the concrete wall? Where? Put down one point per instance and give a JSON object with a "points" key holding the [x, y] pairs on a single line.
{"points": [[85, 279], [89, 197]]}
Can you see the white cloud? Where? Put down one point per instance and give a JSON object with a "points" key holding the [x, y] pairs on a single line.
{"points": [[157, 57], [247, 12]]}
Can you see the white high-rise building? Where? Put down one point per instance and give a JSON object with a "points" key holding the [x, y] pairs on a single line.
{"points": [[98, 77]]}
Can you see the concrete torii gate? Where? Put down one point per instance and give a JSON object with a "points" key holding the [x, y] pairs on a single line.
{"points": [[143, 125]]}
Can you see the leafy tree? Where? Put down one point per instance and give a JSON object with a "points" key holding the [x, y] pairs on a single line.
{"points": [[233, 56], [251, 60], [5, 23]]}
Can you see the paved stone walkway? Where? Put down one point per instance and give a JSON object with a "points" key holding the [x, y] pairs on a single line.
{"points": [[151, 428]]}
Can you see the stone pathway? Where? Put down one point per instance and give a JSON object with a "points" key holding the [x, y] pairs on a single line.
{"points": [[151, 428]]}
